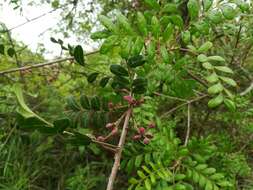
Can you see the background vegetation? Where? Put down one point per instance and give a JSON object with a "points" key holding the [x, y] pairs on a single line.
{"points": [[187, 66]]}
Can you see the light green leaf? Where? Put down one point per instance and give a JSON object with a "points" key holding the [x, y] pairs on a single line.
{"points": [[209, 185], [168, 32], [215, 88], [224, 69], [205, 47], [230, 104], [215, 101], [193, 8], [147, 184], [142, 23], [170, 8], [228, 81], [216, 58], [213, 78], [207, 65], [155, 26], [229, 12], [202, 58], [107, 23]]}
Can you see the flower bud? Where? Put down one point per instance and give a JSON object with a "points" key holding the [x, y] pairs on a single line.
{"points": [[110, 105], [146, 140], [141, 130], [109, 125], [136, 137], [129, 99], [151, 125], [101, 138], [114, 131]]}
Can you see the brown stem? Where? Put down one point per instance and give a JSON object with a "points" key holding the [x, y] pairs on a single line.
{"points": [[117, 156], [41, 64], [188, 125]]}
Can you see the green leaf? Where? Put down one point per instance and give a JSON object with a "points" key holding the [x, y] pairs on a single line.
{"points": [[2, 49], [202, 58], [151, 49], [78, 55], [155, 27], [165, 54], [118, 70], [136, 61], [124, 23], [193, 8], [85, 102], [224, 69], [107, 23], [179, 177], [230, 104], [142, 24], [125, 47], [153, 4], [209, 185], [92, 77], [213, 78], [205, 47], [215, 101], [216, 58], [186, 36], [167, 32], [177, 20], [108, 44], [138, 161], [229, 12], [138, 46], [215, 16], [61, 124], [215, 88], [23, 109], [207, 4], [104, 81], [72, 104], [228, 81], [170, 8], [133, 181], [147, 184], [11, 52], [141, 174], [100, 34], [207, 65], [95, 103], [139, 85]]}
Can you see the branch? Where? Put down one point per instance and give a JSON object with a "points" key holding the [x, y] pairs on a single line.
{"points": [[117, 157], [247, 90], [197, 79], [41, 64], [181, 105], [188, 125]]}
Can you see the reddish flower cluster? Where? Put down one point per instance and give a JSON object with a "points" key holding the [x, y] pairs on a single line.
{"points": [[143, 134], [132, 101]]}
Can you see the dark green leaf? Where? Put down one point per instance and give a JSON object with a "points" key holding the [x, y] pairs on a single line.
{"points": [[118, 70], [104, 81], [2, 49], [85, 102], [95, 103], [61, 124], [136, 61], [92, 77], [72, 104], [78, 55], [11, 52]]}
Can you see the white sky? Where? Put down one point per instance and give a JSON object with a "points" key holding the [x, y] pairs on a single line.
{"points": [[30, 33]]}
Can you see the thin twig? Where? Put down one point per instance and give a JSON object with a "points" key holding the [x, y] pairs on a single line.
{"points": [[183, 104], [41, 64], [117, 157], [170, 97], [197, 79], [236, 44], [188, 125]]}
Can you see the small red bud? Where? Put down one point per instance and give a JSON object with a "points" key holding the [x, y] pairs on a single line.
{"points": [[101, 138], [151, 125], [110, 105], [136, 137], [114, 131], [146, 140], [149, 135], [141, 130], [129, 99], [109, 125]]}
